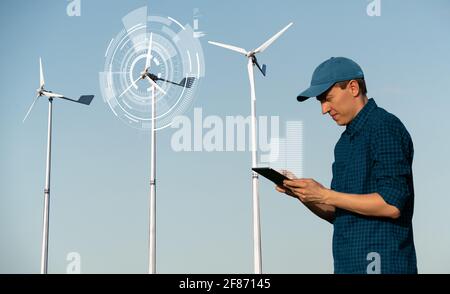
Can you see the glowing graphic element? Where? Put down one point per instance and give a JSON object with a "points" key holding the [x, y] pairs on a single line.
{"points": [[176, 56]]}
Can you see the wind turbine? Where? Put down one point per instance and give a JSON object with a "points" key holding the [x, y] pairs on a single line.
{"points": [[86, 100], [152, 78], [252, 61]]}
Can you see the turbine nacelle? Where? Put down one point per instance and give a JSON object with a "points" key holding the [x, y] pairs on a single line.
{"points": [[144, 74]]}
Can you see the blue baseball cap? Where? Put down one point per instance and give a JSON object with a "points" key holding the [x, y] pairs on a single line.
{"points": [[329, 72]]}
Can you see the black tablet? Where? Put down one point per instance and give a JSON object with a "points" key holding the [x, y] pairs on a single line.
{"points": [[271, 174]]}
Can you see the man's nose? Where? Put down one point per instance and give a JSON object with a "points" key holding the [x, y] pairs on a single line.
{"points": [[325, 108]]}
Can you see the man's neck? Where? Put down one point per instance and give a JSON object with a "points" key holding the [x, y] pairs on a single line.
{"points": [[361, 102]]}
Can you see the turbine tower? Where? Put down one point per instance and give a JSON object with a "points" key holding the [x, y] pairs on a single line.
{"points": [[152, 78], [86, 100], [252, 61]]}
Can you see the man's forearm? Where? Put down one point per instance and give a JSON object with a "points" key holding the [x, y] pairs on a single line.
{"points": [[366, 204], [323, 211]]}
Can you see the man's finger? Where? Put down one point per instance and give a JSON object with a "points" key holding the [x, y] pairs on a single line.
{"points": [[299, 191], [286, 191], [294, 183], [290, 183], [280, 189], [288, 174], [290, 193]]}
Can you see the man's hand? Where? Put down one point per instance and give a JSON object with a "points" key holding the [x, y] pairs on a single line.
{"points": [[282, 189], [312, 194], [307, 190], [285, 190]]}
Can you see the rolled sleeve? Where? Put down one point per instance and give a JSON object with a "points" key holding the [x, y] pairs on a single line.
{"points": [[392, 164]]}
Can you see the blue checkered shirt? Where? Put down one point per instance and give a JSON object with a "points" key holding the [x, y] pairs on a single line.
{"points": [[374, 154]]}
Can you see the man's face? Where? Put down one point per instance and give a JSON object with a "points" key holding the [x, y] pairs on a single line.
{"points": [[340, 104]]}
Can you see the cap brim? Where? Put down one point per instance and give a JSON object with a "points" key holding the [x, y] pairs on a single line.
{"points": [[314, 91]]}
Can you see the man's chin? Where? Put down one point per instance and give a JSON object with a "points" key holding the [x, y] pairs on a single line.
{"points": [[339, 120]]}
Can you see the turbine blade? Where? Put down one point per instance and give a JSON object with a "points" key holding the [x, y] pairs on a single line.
{"points": [[230, 47], [41, 74], [31, 107], [126, 90], [148, 61], [129, 87], [155, 85], [271, 40], [51, 94]]}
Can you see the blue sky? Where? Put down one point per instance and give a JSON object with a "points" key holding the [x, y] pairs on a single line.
{"points": [[100, 166]]}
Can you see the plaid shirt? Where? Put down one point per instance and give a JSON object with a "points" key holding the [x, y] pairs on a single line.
{"points": [[374, 154]]}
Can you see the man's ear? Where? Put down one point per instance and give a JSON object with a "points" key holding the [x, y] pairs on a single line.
{"points": [[354, 88]]}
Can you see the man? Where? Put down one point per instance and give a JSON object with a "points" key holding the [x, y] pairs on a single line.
{"points": [[371, 199]]}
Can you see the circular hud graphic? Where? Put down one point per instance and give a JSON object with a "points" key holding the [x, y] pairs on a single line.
{"points": [[176, 62]]}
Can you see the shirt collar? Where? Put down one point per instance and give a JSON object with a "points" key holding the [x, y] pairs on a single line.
{"points": [[358, 122]]}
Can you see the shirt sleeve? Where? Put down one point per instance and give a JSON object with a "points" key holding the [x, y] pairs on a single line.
{"points": [[392, 163]]}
